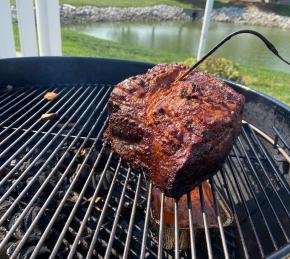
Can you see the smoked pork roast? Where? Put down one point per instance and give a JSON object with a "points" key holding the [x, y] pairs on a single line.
{"points": [[178, 133]]}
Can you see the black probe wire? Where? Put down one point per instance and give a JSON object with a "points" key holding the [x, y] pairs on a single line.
{"points": [[268, 44]]}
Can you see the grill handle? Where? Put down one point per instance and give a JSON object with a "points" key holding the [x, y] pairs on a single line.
{"points": [[269, 45]]}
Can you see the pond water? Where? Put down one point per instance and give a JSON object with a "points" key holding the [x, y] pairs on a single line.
{"points": [[183, 37]]}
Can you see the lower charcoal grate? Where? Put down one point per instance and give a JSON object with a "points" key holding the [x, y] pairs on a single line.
{"points": [[65, 194]]}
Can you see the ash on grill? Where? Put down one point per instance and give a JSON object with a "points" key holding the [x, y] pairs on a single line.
{"points": [[88, 232], [29, 217]]}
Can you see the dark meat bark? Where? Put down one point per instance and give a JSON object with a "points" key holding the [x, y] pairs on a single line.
{"points": [[178, 133]]}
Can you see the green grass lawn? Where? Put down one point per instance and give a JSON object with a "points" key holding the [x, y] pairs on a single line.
{"points": [[127, 3], [130, 3], [141, 3], [273, 83], [76, 44], [276, 8]]}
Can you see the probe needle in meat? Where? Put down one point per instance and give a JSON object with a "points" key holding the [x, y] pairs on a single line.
{"points": [[269, 45]]}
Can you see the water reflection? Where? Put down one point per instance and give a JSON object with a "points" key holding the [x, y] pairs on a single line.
{"points": [[183, 37]]}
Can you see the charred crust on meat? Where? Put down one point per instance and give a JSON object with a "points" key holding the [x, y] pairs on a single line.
{"points": [[177, 133]]}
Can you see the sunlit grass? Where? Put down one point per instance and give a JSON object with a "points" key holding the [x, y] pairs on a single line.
{"points": [[280, 9], [276, 8], [273, 83]]}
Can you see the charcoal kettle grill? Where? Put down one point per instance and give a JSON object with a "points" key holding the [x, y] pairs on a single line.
{"points": [[64, 194]]}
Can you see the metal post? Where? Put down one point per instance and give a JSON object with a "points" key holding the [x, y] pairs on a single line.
{"points": [[204, 30], [7, 45]]}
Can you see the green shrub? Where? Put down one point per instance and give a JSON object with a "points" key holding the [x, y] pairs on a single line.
{"points": [[220, 67]]}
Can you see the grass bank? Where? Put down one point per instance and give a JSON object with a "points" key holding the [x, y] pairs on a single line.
{"points": [[273, 83], [280, 9], [129, 3], [77, 44], [140, 3], [276, 8], [132, 3]]}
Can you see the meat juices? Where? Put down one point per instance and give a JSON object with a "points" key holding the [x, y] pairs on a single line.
{"points": [[183, 216], [177, 133]]}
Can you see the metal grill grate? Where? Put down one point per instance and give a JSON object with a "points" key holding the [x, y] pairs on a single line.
{"points": [[65, 194]]}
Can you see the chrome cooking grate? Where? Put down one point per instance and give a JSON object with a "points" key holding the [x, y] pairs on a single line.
{"points": [[65, 194]]}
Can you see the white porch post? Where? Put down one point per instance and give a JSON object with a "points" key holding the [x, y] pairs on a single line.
{"points": [[7, 45], [54, 28], [48, 27], [205, 26], [27, 30]]}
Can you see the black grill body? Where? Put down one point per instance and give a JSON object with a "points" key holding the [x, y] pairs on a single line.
{"points": [[65, 194]]}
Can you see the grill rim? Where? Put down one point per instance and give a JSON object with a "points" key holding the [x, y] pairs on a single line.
{"points": [[47, 71], [44, 68]]}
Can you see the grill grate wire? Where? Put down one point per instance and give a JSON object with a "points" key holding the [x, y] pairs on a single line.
{"points": [[44, 169]]}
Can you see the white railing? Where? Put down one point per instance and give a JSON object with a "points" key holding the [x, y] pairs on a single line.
{"points": [[205, 27], [39, 34]]}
